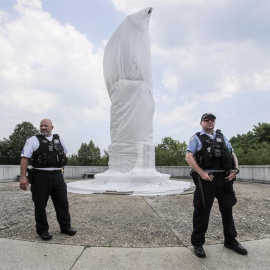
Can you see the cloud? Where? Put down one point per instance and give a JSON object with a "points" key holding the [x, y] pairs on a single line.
{"points": [[31, 100], [207, 56], [170, 81], [259, 81], [49, 69], [54, 61], [177, 115]]}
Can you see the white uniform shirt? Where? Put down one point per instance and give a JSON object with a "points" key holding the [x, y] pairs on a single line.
{"points": [[32, 144]]}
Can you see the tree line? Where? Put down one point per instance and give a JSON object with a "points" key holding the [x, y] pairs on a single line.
{"points": [[252, 148]]}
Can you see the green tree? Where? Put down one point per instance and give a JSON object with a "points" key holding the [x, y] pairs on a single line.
{"points": [[10, 149], [262, 132], [89, 154], [170, 153], [73, 161], [4, 152], [244, 140], [259, 134], [253, 148], [257, 155], [105, 159]]}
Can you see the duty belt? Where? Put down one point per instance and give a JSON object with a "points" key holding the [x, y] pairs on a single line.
{"points": [[48, 172]]}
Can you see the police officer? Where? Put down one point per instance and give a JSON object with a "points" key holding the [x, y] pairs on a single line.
{"points": [[48, 154], [211, 155]]}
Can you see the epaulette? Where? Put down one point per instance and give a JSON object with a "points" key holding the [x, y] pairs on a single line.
{"points": [[56, 136]]}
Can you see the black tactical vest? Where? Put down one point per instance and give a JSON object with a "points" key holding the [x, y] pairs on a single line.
{"points": [[214, 154], [49, 154]]}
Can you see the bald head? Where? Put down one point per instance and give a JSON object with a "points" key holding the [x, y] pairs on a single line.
{"points": [[46, 120], [46, 127]]}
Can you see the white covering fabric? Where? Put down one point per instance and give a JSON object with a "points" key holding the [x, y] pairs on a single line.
{"points": [[128, 78], [132, 113], [127, 54]]}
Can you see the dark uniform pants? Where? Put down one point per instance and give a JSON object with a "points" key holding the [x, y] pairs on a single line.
{"points": [[45, 185], [225, 195]]}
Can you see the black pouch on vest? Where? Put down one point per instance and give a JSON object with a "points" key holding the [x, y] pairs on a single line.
{"points": [[227, 162], [207, 161], [40, 160], [51, 160]]}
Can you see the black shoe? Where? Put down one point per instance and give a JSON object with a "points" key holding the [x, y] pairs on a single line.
{"points": [[45, 236], [199, 251], [235, 246], [70, 231]]}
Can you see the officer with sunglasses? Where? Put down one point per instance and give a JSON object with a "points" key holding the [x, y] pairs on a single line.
{"points": [[211, 157], [48, 157]]}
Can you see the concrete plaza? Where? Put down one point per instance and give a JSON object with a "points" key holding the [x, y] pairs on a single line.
{"points": [[125, 232]]}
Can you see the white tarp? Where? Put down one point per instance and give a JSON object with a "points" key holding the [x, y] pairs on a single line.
{"points": [[128, 78]]}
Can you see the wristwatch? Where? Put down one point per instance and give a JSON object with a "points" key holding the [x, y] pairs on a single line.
{"points": [[236, 170]]}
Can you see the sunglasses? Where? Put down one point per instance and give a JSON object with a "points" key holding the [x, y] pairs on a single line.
{"points": [[208, 120]]}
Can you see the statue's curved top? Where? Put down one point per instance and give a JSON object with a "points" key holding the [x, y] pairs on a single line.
{"points": [[127, 55]]}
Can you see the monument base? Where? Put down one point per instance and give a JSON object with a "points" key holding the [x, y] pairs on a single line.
{"points": [[131, 183]]}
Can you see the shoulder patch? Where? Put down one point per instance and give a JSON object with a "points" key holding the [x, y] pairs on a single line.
{"points": [[192, 138], [56, 136]]}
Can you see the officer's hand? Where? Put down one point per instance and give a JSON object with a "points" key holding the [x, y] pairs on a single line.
{"points": [[205, 176], [231, 176], [24, 183]]}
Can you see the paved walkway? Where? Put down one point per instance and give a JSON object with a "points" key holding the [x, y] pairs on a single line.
{"points": [[124, 232]]}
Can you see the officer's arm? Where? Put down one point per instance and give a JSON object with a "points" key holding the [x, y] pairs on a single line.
{"points": [[233, 172], [193, 164], [235, 160], [23, 179]]}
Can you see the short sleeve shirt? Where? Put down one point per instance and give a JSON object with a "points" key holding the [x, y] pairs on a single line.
{"points": [[32, 145], [195, 144]]}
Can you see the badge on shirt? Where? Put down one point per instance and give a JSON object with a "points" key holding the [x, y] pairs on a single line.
{"points": [[219, 140], [44, 141], [208, 149], [56, 141]]}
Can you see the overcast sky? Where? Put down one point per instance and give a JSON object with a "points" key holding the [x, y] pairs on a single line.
{"points": [[207, 56]]}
